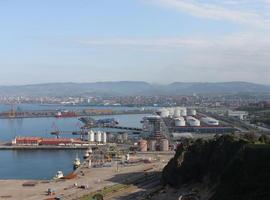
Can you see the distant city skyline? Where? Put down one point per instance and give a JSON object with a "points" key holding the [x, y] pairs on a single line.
{"points": [[157, 41]]}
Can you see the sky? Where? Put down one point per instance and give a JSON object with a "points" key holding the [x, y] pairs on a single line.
{"points": [[158, 41]]}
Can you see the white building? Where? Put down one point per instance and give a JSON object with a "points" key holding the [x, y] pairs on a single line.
{"points": [[238, 114]]}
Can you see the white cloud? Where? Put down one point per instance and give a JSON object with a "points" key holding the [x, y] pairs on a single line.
{"points": [[147, 42], [242, 11], [253, 41]]}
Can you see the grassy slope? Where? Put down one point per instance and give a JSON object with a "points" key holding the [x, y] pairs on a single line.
{"points": [[247, 177], [238, 169]]}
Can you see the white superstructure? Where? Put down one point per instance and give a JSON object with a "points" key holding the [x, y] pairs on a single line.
{"points": [[58, 175]]}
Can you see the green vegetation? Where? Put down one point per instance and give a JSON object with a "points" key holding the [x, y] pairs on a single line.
{"points": [[233, 167], [104, 191]]}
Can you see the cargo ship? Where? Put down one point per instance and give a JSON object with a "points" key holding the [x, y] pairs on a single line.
{"points": [[60, 114]]}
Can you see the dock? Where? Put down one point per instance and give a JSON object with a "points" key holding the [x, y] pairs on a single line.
{"points": [[68, 114], [38, 147]]}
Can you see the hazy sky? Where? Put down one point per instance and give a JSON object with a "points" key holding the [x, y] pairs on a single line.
{"points": [[157, 41]]}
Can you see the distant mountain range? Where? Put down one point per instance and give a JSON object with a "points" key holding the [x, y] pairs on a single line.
{"points": [[122, 88]]}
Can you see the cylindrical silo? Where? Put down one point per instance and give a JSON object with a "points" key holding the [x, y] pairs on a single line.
{"points": [[91, 136], [191, 112], [104, 137], [98, 136], [152, 145], [177, 112], [143, 145], [171, 111], [164, 145], [183, 111], [164, 112]]}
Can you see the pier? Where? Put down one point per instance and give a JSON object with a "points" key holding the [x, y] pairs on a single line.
{"points": [[68, 113], [38, 147]]}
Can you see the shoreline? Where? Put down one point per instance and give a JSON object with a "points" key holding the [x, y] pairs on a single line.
{"points": [[94, 178], [6, 147]]}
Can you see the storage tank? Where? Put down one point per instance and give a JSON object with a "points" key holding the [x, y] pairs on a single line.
{"points": [[98, 136], [143, 145], [164, 145], [152, 145], [210, 121], [191, 112], [164, 112], [193, 121], [91, 136], [180, 121], [177, 112], [171, 111], [104, 137], [183, 111]]}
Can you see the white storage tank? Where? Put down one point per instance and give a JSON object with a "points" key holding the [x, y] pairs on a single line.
{"points": [[183, 111], [164, 112], [91, 136], [171, 111], [164, 145], [191, 112], [104, 137], [210, 121], [180, 121], [177, 112], [193, 121], [98, 136]]}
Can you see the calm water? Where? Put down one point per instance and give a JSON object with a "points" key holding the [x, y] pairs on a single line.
{"points": [[42, 164]]}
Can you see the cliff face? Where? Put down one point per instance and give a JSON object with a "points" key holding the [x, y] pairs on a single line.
{"points": [[229, 165]]}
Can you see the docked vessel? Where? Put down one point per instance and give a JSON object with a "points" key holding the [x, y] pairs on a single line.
{"points": [[58, 175], [86, 155], [88, 152], [76, 163]]}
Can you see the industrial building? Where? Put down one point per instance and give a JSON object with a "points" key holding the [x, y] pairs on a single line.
{"points": [[181, 119], [35, 141], [238, 114]]}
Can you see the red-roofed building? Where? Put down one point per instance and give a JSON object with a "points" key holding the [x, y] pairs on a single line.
{"points": [[27, 140]]}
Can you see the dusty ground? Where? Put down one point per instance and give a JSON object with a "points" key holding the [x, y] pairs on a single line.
{"points": [[95, 178], [170, 193]]}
